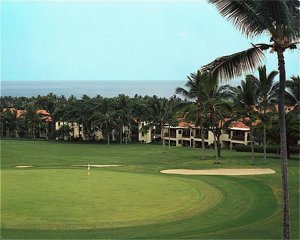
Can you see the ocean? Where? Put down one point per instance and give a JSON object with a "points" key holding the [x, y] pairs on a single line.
{"points": [[90, 88]]}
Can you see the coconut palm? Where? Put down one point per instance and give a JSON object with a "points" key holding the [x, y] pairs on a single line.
{"points": [[245, 106], [279, 19], [196, 109], [266, 98], [170, 115], [209, 103], [13, 121], [293, 92], [158, 115], [217, 108], [107, 118], [124, 116], [33, 120]]}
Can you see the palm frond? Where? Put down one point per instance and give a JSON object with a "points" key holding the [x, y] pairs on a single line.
{"points": [[182, 91], [243, 14], [279, 17], [284, 16], [237, 64]]}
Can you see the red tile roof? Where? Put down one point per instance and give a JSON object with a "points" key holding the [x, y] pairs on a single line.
{"points": [[20, 113], [185, 124]]}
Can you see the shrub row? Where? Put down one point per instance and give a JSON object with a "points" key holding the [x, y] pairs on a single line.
{"points": [[270, 149]]}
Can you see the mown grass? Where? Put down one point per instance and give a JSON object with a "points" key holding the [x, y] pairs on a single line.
{"points": [[238, 207]]}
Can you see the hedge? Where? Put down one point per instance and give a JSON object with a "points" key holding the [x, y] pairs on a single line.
{"points": [[260, 149]]}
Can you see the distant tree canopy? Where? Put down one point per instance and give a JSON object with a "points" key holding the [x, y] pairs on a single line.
{"points": [[204, 103]]}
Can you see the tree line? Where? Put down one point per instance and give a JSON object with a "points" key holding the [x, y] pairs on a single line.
{"points": [[205, 103]]}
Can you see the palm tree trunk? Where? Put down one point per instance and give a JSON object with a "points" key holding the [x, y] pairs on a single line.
{"points": [[121, 135], [126, 135], [252, 145], [202, 142], [33, 130], [283, 145], [108, 133], [215, 136], [169, 136], [163, 136], [216, 146], [265, 144], [16, 133], [219, 145], [47, 130]]}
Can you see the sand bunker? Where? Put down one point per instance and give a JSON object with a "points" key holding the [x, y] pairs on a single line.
{"points": [[228, 172], [92, 165], [24, 166]]}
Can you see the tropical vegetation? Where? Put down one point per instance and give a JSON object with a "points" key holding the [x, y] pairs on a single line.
{"points": [[280, 20]]}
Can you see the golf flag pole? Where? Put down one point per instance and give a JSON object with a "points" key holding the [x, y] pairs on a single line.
{"points": [[89, 167]]}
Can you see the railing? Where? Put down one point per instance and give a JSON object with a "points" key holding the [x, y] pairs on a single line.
{"points": [[198, 135], [186, 135], [172, 135], [186, 143], [238, 138]]}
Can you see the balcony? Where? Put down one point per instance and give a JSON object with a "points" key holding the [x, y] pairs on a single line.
{"points": [[238, 138], [172, 135], [225, 137], [186, 135], [198, 135]]}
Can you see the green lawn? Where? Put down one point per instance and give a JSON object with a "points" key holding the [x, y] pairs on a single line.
{"points": [[55, 200]]}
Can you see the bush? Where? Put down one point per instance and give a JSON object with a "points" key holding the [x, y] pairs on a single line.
{"points": [[294, 150], [269, 149], [257, 148]]}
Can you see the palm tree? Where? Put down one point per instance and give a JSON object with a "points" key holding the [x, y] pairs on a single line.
{"points": [[107, 118], [245, 105], [209, 103], [158, 115], [124, 116], [196, 109], [170, 115], [280, 19], [218, 108], [13, 121], [266, 98], [33, 120], [293, 92]]}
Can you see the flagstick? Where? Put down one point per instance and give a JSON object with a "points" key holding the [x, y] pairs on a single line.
{"points": [[89, 183], [89, 167]]}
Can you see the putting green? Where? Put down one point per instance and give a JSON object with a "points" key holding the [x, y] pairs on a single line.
{"points": [[70, 199]]}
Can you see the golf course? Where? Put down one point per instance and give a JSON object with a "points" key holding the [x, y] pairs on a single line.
{"points": [[47, 192]]}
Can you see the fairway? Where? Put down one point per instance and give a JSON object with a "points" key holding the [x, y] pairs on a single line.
{"points": [[57, 199]]}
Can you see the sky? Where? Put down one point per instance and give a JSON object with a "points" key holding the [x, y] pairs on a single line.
{"points": [[117, 40]]}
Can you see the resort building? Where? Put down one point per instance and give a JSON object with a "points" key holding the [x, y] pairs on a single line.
{"points": [[76, 132], [14, 129], [148, 134], [187, 135]]}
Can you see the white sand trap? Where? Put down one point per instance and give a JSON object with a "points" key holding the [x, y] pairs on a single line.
{"points": [[227, 172], [24, 166], [100, 166]]}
